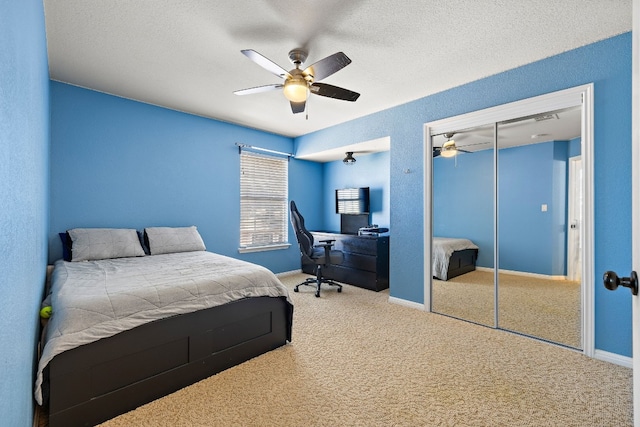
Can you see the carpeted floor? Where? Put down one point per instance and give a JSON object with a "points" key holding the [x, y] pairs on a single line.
{"points": [[358, 360], [544, 308]]}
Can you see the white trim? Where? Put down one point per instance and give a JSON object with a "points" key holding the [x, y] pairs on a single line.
{"points": [[635, 199], [614, 358], [523, 273], [427, 218], [579, 95], [526, 107], [407, 303]]}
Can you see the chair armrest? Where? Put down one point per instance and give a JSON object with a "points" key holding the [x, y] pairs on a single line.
{"points": [[327, 245]]}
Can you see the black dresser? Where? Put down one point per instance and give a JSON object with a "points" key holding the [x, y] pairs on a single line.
{"points": [[365, 264]]}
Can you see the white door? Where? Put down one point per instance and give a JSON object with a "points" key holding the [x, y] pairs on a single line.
{"points": [[635, 164], [574, 218]]}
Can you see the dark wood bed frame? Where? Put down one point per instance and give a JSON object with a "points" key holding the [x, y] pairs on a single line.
{"points": [[462, 262], [98, 381]]}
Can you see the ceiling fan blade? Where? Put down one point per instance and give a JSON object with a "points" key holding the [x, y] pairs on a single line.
{"points": [[297, 107], [327, 66], [258, 89], [266, 63], [331, 91], [436, 151]]}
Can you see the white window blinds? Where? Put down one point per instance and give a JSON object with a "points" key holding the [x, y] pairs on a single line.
{"points": [[263, 200]]}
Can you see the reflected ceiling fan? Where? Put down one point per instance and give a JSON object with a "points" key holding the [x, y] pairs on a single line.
{"points": [[449, 148], [298, 83]]}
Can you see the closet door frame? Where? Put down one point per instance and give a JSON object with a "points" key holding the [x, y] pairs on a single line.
{"points": [[579, 95]]}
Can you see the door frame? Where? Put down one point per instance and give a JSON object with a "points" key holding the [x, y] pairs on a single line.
{"points": [[579, 95], [635, 202]]}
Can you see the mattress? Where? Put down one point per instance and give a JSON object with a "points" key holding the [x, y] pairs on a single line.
{"points": [[98, 299]]}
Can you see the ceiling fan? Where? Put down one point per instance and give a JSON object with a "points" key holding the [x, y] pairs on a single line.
{"points": [[449, 148], [298, 83]]}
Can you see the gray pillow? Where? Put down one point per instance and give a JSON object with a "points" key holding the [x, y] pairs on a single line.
{"points": [[104, 243], [166, 240]]}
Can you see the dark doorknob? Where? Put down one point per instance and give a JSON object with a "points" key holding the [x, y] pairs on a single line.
{"points": [[612, 281]]}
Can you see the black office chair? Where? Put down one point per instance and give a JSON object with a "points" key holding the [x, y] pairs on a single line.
{"points": [[321, 255]]}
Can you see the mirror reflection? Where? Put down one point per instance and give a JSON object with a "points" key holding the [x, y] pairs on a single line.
{"points": [[533, 194], [538, 238], [463, 236]]}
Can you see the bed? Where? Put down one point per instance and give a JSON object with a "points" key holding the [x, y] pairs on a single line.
{"points": [[453, 257], [129, 329]]}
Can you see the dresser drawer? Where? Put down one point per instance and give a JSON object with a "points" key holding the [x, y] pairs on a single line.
{"points": [[361, 245], [359, 261]]}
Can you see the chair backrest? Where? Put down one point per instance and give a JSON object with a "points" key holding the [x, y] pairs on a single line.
{"points": [[304, 238]]}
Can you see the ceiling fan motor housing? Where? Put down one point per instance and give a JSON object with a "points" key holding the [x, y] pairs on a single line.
{"points": [[298, 56]]}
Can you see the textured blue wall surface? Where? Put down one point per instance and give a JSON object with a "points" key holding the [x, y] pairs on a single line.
{"points": [[608, 65], [24, 162], [121, 163]]}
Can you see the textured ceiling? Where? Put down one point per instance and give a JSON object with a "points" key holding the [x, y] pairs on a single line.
{"points": [[185, 54]]}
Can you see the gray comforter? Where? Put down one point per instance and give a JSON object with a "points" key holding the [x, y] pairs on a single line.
{"points": [[97, 299], [443, 247]]}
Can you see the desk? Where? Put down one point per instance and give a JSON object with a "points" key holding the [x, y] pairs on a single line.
{"points": [[365, 264]]}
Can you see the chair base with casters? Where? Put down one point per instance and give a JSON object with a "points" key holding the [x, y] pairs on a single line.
{"points": [[317, 282]]}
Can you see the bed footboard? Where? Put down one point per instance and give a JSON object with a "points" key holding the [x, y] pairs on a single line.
{"points": [[462, 262], [98, 381]]}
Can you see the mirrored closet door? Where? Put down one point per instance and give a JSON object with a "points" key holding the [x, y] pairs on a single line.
{"points": [[507, 203], [538, 223], [463, 217]]}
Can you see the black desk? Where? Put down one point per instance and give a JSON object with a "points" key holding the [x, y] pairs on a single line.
{"points": [[365, 264]]}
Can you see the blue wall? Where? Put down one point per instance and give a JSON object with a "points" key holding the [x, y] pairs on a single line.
{"points": [[529, 176], [24, 151], [371, 170], [608, 65], [121, 163]]}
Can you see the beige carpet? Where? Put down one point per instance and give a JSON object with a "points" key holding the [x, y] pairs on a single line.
{"points": [[547, 309], [358, 360]]}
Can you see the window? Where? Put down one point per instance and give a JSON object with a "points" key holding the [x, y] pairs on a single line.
{"points": [[263, 202]]}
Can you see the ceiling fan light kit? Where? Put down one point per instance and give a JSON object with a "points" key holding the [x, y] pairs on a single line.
{"points": [[349, 160], [449, 149], [298, 84], [296, 89]]}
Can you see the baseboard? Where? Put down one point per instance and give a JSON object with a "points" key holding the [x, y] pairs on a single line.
{"points": [[524, 273], [406, 303], [616, 359]]}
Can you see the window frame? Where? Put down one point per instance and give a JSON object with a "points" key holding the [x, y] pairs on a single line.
{"points": [[257, 172]]}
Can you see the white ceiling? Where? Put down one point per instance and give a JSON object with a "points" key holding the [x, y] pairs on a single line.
{"points": [[185, 54]]}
